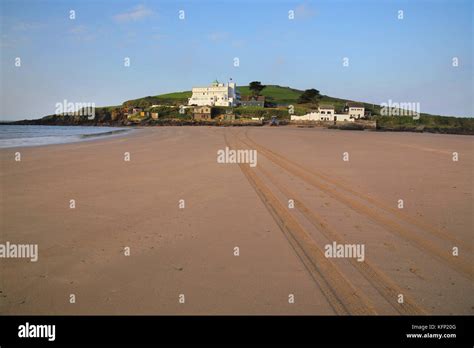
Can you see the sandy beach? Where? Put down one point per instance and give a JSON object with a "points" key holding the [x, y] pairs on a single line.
{"points": [[181, 215]]}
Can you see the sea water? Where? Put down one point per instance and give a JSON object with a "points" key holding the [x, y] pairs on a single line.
{"points": [[18, 135]]}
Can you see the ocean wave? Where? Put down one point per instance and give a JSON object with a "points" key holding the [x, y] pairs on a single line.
{"points": [[22, 136]]}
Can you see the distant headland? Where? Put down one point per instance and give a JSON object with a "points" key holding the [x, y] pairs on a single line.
{"points": [[226, 104]]}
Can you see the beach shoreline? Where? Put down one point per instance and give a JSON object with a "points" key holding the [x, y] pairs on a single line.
{"points": [[162, 195], [36, 138]]}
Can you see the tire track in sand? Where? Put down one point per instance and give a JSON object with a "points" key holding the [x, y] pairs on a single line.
{"points": [[343, 297], [392, 226], [415, 221], [381, 282]]}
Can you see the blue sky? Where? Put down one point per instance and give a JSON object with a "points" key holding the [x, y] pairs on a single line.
{"points": [[82, 60]]}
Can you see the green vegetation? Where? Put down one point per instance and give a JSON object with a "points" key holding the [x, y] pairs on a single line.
{"points": [[178, 98], [426, 123], [278, 95], [176, 95], [309, 96], [169, 112], [280, 98], [256, 87], [275, 94], [257, 111]]}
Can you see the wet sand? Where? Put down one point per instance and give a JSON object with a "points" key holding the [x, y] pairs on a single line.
{"points": [[190, 251]]}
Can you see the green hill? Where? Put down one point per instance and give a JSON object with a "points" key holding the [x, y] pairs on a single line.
{"points": [[278, 98], [278, 95], [176, 95]]}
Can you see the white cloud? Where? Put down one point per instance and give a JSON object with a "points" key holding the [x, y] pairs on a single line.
{"points": [[134, 14]]}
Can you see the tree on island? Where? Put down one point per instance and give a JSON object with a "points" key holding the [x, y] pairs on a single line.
{"points": [[309, 96], [256, 87]]}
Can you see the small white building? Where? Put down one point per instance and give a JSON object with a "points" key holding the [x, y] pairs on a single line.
{"points": [[343, 118], [324, 113], [355, 110], [217, 94], [312, 116]]}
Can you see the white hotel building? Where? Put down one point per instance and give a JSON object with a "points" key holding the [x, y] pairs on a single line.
{"points": [[217, 94]]}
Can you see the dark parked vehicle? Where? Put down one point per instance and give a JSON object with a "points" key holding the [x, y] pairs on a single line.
{"points": [[274, 121]]}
